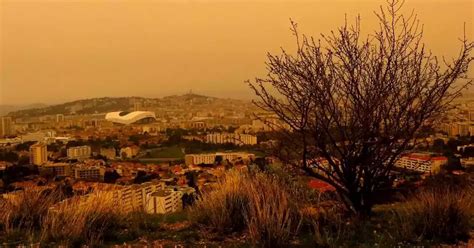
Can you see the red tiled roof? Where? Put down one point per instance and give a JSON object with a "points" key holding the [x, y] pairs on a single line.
{"points": [[425, 157], [320, 185]]}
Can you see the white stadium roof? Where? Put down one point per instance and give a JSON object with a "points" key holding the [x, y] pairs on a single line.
{"points": [[127, 118]]}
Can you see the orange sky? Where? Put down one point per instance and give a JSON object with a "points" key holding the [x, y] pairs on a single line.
{"points": [[59, 50]]}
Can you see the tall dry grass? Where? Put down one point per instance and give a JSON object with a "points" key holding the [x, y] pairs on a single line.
{"points": [[24, 211], [82, 221], [43, 216], [329, 223], [223, 210], [439, 214], [258, 203]]}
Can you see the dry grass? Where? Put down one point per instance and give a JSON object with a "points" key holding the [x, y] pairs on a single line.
{"points": [[39, 216], [441, 214], [223, 210], [25, 210], [84, 222], [328, 222], [272, 216], [260, 204]]}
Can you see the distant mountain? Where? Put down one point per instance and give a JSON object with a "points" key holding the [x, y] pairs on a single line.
{"points": [[5, 109]]}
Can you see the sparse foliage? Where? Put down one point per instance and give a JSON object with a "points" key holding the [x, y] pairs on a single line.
{"points": [[357, 102]]}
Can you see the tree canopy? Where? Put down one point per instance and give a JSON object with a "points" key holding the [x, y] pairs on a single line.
{"points": [[351, 105]]}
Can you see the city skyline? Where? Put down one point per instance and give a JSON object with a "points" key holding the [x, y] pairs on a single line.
{"points": [[74, 50]]}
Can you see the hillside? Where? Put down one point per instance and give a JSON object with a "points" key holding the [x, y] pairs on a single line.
{"points": [[85, 106], [5, 109], [108, 104]]}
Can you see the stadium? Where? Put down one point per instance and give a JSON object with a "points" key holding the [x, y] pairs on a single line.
{"points": [[127, 118]]}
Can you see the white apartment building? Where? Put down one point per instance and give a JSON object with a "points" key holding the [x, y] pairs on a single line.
{"points": [[457, 128], [421, 162], [59, 118], [125, 199], [89, 172], [166, 200], [45, 136], [38, 154], [79, 152], [57, 169], [199, 159], [210, 158], [471, 116], [6, 126], [134, 197], [234, 138]]}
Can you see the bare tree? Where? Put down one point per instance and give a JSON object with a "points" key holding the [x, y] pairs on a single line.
{"points": [[360, 102]]}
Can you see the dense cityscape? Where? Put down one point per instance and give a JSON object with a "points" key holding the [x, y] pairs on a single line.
{"points": [[267, 124], [181, 150]]}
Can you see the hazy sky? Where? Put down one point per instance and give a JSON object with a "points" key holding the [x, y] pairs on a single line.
{"points": [[59, 50]]}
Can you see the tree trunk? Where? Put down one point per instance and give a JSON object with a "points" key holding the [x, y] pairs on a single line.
{"points": [[360, 204]]}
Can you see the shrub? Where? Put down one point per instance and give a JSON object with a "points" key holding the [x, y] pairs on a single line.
{"points": [[223, 210], [258, 203], [272, 216], [441, 214]]}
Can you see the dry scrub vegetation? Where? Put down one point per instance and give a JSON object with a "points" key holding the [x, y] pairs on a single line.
{"points": [[270, 209], [442, 214], [267, 209], [272, 212], [30, 212]]}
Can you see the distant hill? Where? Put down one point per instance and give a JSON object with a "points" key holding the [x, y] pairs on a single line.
{"points": [[109, 104], [5, 109], [85, 106]]}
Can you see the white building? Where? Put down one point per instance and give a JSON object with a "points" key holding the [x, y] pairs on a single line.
{"points": [[210, 158], [234, 138], [59, 118], [45, 136], [166, 200], [57, 169], [79, 152], [125, 199], [421, 162], [199, 159], [95, 173], [134, 197], [38, 154], [129, 152], [6, 126]]}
